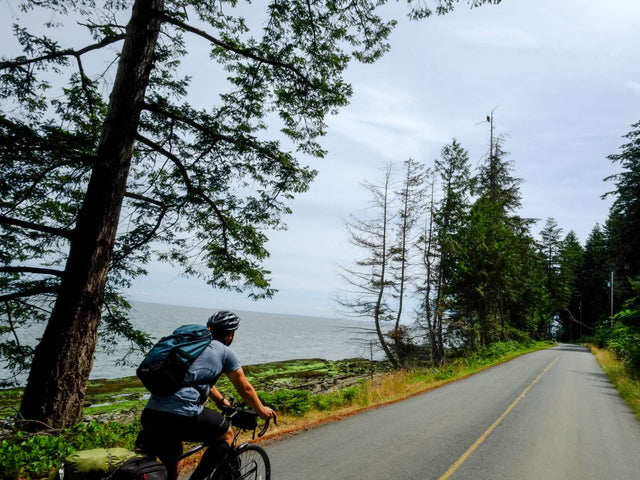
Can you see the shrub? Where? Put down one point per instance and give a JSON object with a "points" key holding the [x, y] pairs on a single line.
{"points": [[488, 354], [624, 341], [444, 373], [299, 402], [292, 402], [34, 456], [340, 398], [624, 337], [498, 350]]}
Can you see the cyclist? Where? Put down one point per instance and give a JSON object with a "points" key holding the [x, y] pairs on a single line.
{"points": [[167, 421]]}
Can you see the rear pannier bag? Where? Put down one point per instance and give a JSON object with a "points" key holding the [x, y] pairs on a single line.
{"points": [[163, 370], [93, 464], [140, 469]]}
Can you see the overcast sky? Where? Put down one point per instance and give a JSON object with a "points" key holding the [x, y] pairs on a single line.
{"points": [[563, 77]]}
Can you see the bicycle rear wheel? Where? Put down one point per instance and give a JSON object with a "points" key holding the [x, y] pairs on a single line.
{"points": [[252, 463]]}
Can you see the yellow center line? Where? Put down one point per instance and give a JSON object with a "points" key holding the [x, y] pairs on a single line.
{"points": [[484, 436]]}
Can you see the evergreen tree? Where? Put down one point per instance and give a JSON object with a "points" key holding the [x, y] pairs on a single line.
{"points": [[563, 264], [440, 243], [527, 314], [489, 276], [550, 246], [571, 266], [623, 225], [594, 278]]}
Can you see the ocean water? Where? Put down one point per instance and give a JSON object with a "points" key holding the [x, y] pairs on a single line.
{"points": [[261, 338]]}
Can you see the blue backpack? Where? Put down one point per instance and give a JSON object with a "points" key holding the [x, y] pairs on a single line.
{"points": [[163, 370]]}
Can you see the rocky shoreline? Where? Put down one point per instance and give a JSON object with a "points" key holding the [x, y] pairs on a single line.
{"points": [[122, 399]]}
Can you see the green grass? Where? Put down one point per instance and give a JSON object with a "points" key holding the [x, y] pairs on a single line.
{"points": [[627, 384]]}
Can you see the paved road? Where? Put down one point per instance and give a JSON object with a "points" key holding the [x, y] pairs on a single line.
{"points": [[548, 415]]}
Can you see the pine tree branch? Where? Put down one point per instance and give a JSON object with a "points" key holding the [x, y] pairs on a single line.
{"points": [[153, 108], [12, 327], [187, 180], [27, 192], [35, 307], [204, 129], [144, 198], [313, 26], [163, 210], [62, 53], [85, 84], [29, 293], [245, 52], [38, 270], [60, 232]]}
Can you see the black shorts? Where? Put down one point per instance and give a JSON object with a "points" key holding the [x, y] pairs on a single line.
{"points": [[163, 433]]}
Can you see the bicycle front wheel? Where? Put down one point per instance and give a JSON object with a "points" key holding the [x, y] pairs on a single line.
{"points": [[252, 463]]}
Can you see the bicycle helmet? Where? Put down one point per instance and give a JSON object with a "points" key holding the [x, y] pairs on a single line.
{"points": [[223, 321]]}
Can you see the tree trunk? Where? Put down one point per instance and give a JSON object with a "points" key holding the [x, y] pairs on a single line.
{"points": [[383, 268], [54, 395]]}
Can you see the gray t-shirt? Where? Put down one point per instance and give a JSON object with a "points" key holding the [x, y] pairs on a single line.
{"points": [[203, 373]]}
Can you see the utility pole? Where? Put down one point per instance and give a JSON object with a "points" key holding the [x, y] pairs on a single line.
{"points": [[580, 308], [611, 316]]}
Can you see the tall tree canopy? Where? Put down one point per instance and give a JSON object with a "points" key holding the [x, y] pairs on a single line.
{"points": [[612, 261], [440, 243], [623, 224], [489, 278], [102, 169], [571, 266], [594, 277]]}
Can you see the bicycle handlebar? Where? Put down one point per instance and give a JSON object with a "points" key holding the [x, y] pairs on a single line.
{"points": [[266, 425], [235, 414]]}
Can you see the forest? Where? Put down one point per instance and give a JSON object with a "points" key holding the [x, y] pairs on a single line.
{"points": [[446, 245]]}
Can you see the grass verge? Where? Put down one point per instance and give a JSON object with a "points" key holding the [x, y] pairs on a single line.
{"points": [[620, 377]]}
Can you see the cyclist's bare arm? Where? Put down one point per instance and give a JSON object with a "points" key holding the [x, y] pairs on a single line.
{"points": [[248, 394], [218, 398]]}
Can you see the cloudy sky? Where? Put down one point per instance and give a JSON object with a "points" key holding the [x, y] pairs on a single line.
{"points": [[563, 77]]}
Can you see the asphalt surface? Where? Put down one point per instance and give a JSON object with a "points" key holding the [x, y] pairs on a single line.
{"points": [[551, 414]]}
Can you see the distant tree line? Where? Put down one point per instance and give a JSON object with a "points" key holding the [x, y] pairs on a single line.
{"points": [[449, 265]]}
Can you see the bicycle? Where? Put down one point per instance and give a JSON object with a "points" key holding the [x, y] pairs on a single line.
{"points": [[247, 461]]}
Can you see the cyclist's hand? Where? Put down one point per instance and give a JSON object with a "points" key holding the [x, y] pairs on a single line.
{"points": [[266, 412]]}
